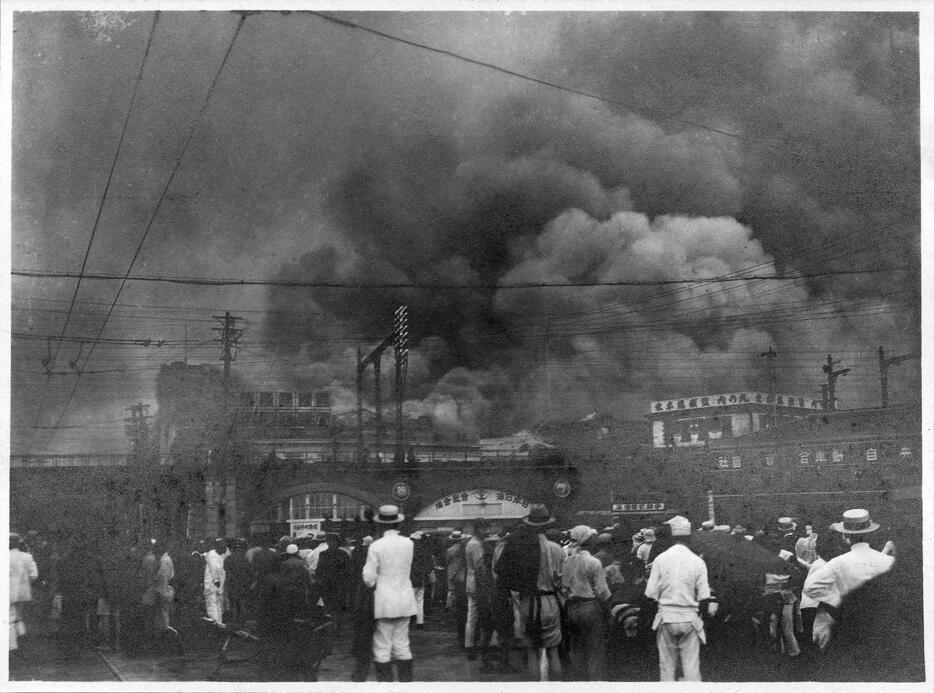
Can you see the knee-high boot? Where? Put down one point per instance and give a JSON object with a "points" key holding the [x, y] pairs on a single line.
{"points": [[383, 672], [405, 668]]}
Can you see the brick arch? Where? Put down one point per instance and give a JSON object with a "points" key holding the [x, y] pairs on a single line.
{"points": [[322, 487]]}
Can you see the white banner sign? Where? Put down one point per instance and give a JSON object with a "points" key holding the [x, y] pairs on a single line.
{"points": [[733, 399]]}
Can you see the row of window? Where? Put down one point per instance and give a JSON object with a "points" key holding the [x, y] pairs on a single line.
{"points": [[288, 418], [311, 506], [285, 399]]}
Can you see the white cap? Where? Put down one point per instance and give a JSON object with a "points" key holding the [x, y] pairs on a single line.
{"points": [[291, 548], [680, 526]]}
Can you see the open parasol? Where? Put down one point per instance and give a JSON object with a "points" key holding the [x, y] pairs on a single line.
{"points": [[734, 561]]}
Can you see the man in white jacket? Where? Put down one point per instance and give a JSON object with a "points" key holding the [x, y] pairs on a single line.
{"points": [[387, 568], [214, 581], [23, 572]]}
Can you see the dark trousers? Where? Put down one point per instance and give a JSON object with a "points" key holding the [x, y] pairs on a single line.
{"points": [[586, 648], [459, 609]]}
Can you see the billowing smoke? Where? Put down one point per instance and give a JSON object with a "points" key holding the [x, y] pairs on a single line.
{"points": [[511, 183]]}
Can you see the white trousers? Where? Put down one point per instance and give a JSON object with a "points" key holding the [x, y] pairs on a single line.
{"points": [[213, 604], [473, 616], [17, 627], [391, 639], [678, 641], [420, 605]]}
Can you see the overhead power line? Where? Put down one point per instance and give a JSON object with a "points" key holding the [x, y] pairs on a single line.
{"points": [[206, 281], [155, 213], [110, 175]]}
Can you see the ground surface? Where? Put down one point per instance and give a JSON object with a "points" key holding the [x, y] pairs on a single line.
{"points": [[438, 657]]}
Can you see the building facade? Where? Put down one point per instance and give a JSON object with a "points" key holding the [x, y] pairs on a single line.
{"points": [[693, 421]]}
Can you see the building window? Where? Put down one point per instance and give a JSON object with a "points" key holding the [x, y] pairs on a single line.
{"points": [[285, 399], [305, 399], [265, 399], [246, 399], [726, 427]]}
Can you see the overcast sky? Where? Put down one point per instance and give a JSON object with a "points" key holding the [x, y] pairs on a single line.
{"points": [[718, 145]]}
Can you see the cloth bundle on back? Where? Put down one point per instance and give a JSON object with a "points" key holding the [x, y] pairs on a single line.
{"points": [[517, 568]]}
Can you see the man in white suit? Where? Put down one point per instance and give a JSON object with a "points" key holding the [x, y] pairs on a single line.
{"points": [[22, 572], [214, 577], [387, 568]]}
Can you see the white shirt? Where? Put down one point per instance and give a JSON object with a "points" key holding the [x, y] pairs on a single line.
{"points": [[311, 558], [22, 571], [806, 550], [644, 550], [806, 601], [838, 577], [214, 570], [678, 582], [388, 562]]}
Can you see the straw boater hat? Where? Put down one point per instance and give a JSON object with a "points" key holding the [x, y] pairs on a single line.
{"points": [[388, 515], [786, 524], [538, 516], [707, 525], [855, 521]]}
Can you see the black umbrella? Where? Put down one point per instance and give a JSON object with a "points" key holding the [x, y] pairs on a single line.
{"points": [[733, 561]]}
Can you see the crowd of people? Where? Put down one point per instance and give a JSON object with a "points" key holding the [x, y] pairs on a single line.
{"points": [[530, 598]]}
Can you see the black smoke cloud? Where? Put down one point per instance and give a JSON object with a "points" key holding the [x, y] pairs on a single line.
{"points": [[518, 183]]}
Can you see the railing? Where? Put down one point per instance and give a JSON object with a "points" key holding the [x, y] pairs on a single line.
{"points": [[421, 456], [52, 461]]}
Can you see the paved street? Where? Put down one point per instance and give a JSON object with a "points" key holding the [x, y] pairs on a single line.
{"points": [[438, 658]]}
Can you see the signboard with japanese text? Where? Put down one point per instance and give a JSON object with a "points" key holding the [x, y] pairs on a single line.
{"points": [[839, 454], [304, 528], [656, 507], [465, 505], [733, 399]]}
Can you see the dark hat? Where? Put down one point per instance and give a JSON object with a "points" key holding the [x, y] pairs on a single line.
{"points": [[855, 521], [538, 516], [388, 515]]}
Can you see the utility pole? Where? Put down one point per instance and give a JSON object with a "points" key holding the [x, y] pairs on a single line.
{"points": [[399, 340], [359, 405], [228, 339], [884, 364], [771, 355], [401, 347], [832, 376], [137, 430]]}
